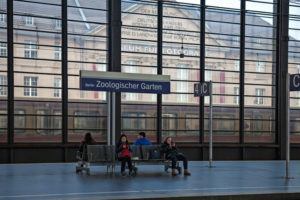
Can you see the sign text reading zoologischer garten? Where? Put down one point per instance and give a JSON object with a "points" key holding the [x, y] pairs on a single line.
{"points": [[124, 82]]}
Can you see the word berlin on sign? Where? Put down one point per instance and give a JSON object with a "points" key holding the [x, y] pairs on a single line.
{"points": [[294, 82], [201, 89], [124, 82]]}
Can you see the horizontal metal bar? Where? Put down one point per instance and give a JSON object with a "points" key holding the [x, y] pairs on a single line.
{"points": [[255, 1], [35, 16], [87, 8], [36, 2], [37, 31], [40, 73], [90, 22]]}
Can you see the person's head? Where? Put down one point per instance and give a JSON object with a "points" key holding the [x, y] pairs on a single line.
{"points": [[88, 137], [123, 139], [168, 140], [142, 135]]}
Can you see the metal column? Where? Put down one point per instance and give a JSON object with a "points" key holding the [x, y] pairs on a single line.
{"points": [[282, 62], [115, 64], [108, 100], [287, 159], [10, 76], [202, 68], [64, 71], [210, 124], [242, 75], [159, 68]]}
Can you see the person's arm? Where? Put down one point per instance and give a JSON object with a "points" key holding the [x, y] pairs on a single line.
{"points": [[175, 149], [164, 148], [136, 142], [120, 148], [130, 149], [81, 147]]}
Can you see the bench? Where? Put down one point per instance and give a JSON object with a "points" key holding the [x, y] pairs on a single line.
{"points": [[96, 155], [141, 155], [104, 155]]}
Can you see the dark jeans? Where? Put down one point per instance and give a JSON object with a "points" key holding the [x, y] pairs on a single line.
{"points": [[123, 163], [178, 157]]}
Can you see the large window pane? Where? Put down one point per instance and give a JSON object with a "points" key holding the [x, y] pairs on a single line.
{"points": [[294, 68], [260, 68], [37, 71], [87, 50]]}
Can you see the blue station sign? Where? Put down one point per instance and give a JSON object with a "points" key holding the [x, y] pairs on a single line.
{"points": [[201, 89], [124, 82], [295, 82]]}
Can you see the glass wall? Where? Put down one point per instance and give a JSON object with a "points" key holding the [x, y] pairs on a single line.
{"points": [[222, 67], [294, 68], [37, 27], [87, 50], [3, 72], [260, 72], [181, 61], [139, 55], [37, 71], [38, 78]]}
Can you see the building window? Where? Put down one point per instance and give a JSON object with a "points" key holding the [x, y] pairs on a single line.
{"points": [[83, 124], [3, 18], [57, 84], [3, 85], [298, 69], [3, 48], [29, 21], [298, 98], [260, 66], [208, 73], [236, 91], [259, 93], [102, 67], [235, 39], [154, 71], [182, 86], [30, 82], [58, 24], [57, 51], [208, 77], [131, 67], [258, 40], [30, 50], [236, 65]]}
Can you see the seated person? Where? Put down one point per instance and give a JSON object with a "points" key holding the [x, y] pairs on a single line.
{"points": [[173, 154], [88, 140], [142, 140], [124, 151]]}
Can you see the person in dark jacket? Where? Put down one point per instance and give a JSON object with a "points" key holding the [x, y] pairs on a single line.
{"points": [[87, 140], [124, 151], [173, 154], [142, 140]]}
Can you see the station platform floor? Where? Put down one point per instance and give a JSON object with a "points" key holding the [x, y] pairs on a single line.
{"points": [[227, 180]]}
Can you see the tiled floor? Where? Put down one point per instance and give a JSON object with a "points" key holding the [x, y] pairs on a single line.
{"points": [[59, 181]]}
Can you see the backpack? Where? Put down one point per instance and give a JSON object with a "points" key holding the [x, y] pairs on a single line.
{"points": [[155, 153]]}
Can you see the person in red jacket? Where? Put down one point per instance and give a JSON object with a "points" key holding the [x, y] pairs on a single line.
{"points": [[124, 154]]}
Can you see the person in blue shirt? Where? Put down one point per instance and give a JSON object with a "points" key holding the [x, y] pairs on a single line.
{"points": [[142, 140]]}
